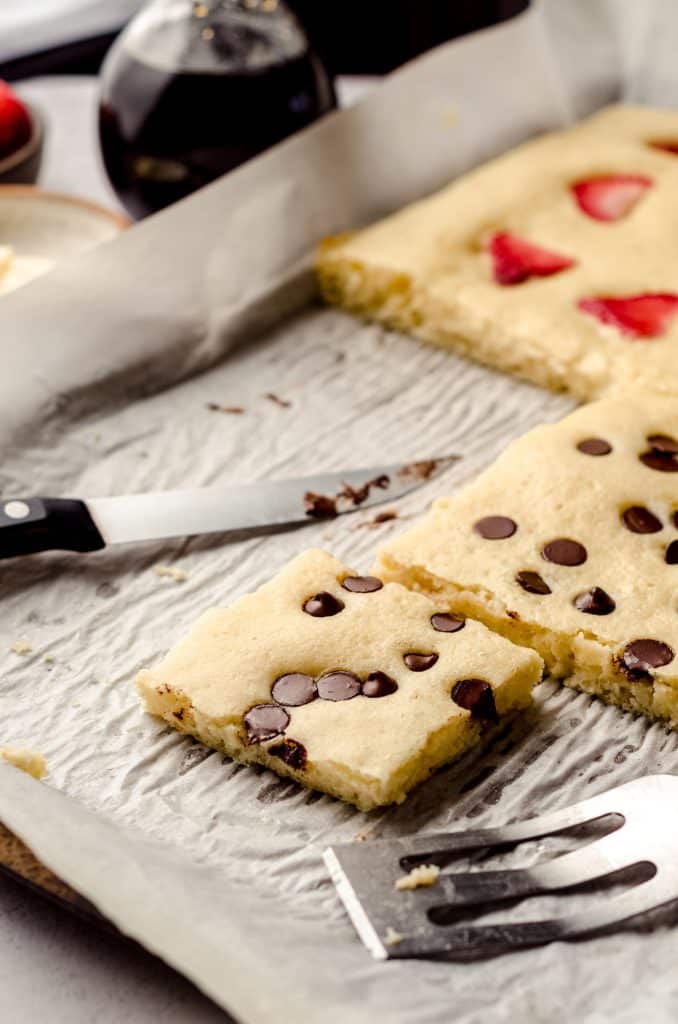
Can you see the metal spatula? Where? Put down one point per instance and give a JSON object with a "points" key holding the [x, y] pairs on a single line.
{"points": [[397, 923]]}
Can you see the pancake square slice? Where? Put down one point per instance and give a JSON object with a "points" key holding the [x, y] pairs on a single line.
{"points": [[569, 544], [345, 684], [555, 261]]}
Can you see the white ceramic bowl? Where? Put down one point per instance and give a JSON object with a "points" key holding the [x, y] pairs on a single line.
{"points": [[41, 228]]}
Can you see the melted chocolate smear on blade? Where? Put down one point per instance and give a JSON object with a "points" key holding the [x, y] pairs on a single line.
{"points": [[595, 601], [362, 584], [357, 495], [445, 623], [419, 662], [323, 604], [476, 696], [320, 506], [265, 722], [294, 689], [563, 551], [639, 519], [532, 582], [378, 684], [291, 752], [594, 446], [495, 527], [338, 685], [641, 656]]}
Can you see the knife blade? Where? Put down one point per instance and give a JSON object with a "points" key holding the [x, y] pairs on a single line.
{"points": [[29, 525]]}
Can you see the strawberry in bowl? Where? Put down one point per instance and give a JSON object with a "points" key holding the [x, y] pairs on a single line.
{"points": [[20, 139]]}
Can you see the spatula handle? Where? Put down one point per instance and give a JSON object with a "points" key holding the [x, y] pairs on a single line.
{"points": [[28, 525]]}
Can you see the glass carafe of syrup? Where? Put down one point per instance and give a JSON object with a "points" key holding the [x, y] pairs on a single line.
{"points": [[192, 88]]}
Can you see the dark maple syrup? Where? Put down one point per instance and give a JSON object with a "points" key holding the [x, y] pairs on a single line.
{"points": [[184, 101]]}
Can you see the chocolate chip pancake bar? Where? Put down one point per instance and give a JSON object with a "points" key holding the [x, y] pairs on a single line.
{"points": [[348, 685], [569, 544], [556, 261]]}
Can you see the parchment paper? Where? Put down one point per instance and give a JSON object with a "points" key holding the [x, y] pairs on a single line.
{"points": [[216, 867]]}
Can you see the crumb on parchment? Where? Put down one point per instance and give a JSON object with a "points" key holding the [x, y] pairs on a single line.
{"points": [[26, 760], [277, 400], [423, 875], [170, 572], [392, 937], [21, 647], [234, 410]]}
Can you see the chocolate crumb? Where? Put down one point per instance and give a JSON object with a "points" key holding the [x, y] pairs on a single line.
{"points": [[381, 517], [282, 402], [234, 410], [385, 517]]}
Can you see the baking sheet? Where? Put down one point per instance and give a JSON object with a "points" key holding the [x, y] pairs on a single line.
{"points": [[216, 867]]}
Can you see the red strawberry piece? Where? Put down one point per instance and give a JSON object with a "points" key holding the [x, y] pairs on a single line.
{"points": [[639, 316], [515, 259], [15, 121], [610, 196], [666, 145]]}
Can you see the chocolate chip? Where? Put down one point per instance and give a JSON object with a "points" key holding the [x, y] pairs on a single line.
{"points": [[671, 556], [445, 623], [265, 722], [639, 519], [663, 443], [323, 604], [495, 527], [378, 684], [338, 685], [595, 601], [641, 656], [532, 582], [476, 696], [662, 454], [291, 752], [675, 518], [362, 584], [594, 446], [419, 662], [663, 462], [294, 689], [564, 551]]}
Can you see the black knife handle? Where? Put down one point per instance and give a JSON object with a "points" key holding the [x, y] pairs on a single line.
{"points": [[28, 525]]}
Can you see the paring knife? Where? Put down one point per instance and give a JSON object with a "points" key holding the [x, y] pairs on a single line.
{"points": [[29, 525]]}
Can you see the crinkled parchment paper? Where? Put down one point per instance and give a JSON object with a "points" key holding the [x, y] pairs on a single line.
{"points": [[108, 368]]}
